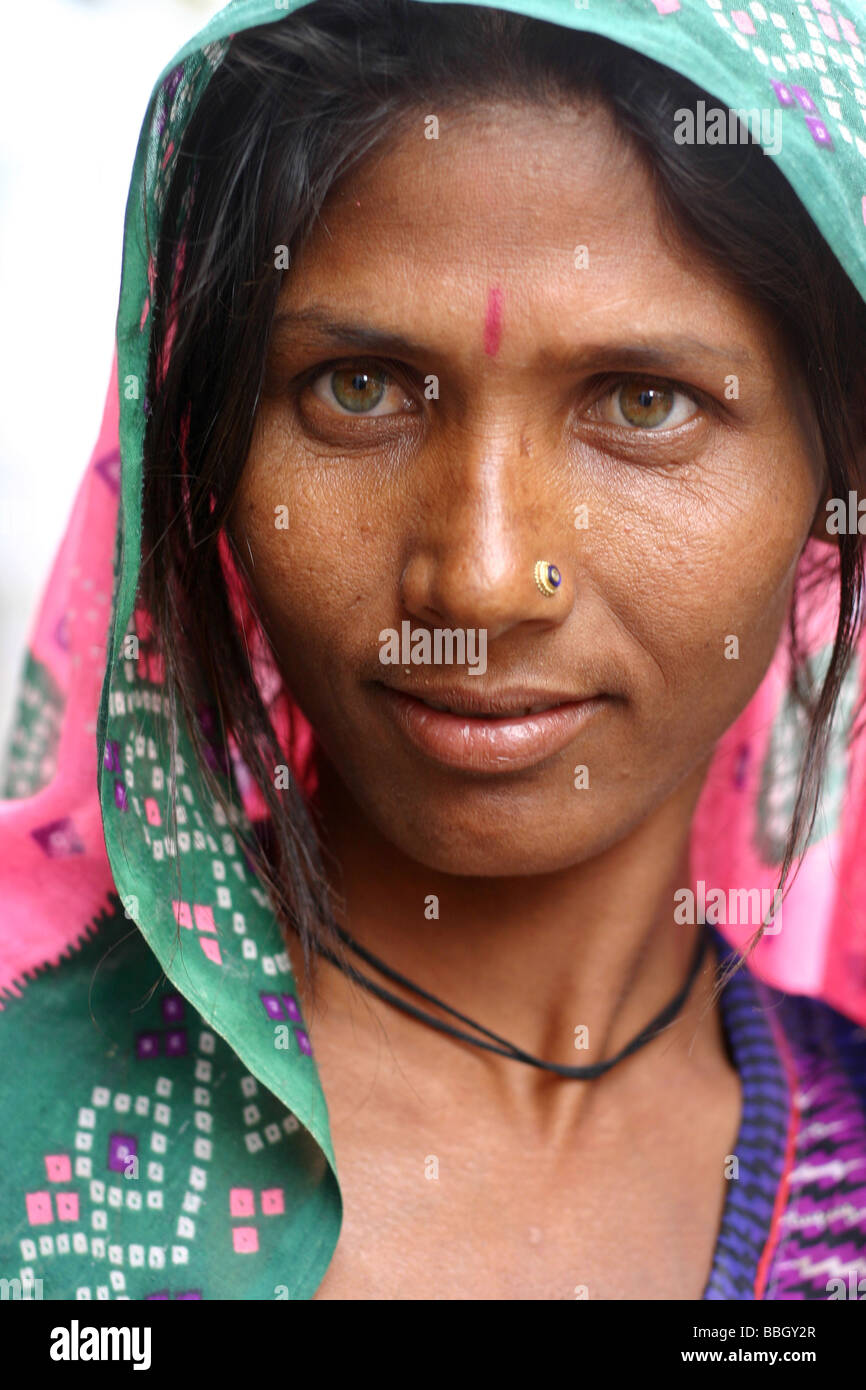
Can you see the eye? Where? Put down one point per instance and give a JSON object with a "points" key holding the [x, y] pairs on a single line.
{"points": [[360, 389], [645, 405]]}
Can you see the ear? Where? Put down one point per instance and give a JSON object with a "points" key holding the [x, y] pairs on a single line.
{"points": [[825, 514], [846, 514]]}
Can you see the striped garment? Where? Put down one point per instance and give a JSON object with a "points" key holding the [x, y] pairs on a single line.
{"points": [[794, 1223]]}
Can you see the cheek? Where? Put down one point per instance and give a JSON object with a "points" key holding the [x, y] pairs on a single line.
{"points": [[700, 570], [312, 560]]}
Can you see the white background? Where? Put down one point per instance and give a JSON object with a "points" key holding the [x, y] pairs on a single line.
{"points": [[75, 78]]}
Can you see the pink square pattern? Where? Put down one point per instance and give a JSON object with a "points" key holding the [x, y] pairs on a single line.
{"points": [[828, 24], [242, 1202], [203, 917], [211, 950], [245, 1240], [182, 914], [848, 30], [67, 1206], [39, 1209]]}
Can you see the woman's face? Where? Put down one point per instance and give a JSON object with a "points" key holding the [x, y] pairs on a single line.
{"points": [[548, 378]]}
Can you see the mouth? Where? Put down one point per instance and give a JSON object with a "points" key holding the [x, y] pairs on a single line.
{"points": [[464, 711], [505, 731]]}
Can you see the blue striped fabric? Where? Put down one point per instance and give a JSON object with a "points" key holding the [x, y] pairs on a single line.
{"points": [[760, 1145]]}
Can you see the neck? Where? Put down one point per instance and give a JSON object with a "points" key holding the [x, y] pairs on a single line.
{"points": [[593, 947]]}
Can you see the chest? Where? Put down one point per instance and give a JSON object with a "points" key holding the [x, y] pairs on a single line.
{"points": [[437, 1209]]}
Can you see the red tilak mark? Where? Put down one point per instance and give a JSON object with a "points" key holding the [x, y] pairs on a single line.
{"points": [[493, 321]]}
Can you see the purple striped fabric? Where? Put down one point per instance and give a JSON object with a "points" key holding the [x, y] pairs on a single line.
{"points": [[802, 1068]]}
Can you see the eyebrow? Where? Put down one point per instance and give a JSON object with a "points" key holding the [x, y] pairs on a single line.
{"points": [[317, 324]]}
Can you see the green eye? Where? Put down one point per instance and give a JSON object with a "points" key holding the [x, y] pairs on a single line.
{"points": [[358, 391], [360, 388], [637, 403], [645, 406]]}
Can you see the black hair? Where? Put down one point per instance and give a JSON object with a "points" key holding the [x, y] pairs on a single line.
{"points": [[294, 106]]}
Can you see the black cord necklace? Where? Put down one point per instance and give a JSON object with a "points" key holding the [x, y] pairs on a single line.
{"points": [[507, 1049]]}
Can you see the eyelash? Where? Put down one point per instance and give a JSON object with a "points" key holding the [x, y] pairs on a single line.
{"points": [[602, 388]]}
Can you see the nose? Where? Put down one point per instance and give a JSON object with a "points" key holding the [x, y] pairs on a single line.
{"points": [[492, 515]]}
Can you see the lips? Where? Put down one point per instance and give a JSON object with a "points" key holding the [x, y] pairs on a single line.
{"points": [[477, 703], [515, 712], [489, 732]]}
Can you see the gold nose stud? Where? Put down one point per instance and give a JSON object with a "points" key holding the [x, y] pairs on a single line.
{"points": [[547, 577]]}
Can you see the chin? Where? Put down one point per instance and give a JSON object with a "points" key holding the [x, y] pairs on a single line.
{"points": [[447, 848]]}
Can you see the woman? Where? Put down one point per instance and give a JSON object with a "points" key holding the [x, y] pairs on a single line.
{"points": [[480, 644]]}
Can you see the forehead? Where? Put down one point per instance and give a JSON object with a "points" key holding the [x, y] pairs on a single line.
{"points": [[551, 205], [502, 186]]}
